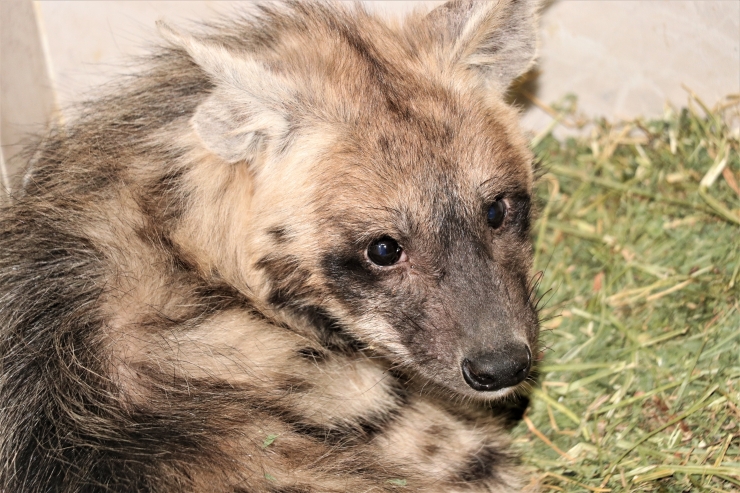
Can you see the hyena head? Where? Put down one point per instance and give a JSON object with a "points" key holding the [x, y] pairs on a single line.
{"points": [[372, 183]]}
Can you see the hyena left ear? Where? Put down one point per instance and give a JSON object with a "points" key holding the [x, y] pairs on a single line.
{"points": [[497, 39], [246, 109]]}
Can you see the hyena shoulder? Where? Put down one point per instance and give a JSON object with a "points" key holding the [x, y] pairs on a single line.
{"points": [[289, 255]]}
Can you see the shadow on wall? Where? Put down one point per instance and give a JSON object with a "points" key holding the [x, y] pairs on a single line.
{"points": [[525, 87]]}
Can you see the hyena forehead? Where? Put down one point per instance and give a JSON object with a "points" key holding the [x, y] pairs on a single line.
{"points": [[321, 64], [462, 138]]}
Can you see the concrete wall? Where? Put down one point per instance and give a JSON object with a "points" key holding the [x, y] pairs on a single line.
{"points": [[622, 58], [625, 58]]}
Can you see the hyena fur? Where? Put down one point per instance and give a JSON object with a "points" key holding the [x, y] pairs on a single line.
{"points": [[290, 255]]}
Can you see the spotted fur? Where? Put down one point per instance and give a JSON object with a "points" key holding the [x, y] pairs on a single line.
{"points": [[185, 300]]}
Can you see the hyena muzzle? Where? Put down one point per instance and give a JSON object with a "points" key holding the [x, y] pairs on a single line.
{"points": [[289, 255]]}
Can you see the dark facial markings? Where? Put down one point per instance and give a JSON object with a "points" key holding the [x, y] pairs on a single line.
{"points": [[289, 280], [520, 209], [291, 291], [331, 333], [349, 272]]}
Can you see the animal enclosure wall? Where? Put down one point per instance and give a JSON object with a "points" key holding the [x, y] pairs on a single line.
{"points": [[622, 58]]}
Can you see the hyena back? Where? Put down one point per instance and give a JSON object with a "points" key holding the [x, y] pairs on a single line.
{"points": [[289, 256]]}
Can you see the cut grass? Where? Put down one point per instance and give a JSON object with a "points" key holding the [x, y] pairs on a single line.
{"points": [[639, 243]]}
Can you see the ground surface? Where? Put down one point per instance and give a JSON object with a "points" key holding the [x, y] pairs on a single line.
{"points": [[639, 242]]}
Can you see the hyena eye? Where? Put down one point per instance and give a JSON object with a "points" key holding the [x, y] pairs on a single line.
{"points": [[385, 251], [497, 214]]}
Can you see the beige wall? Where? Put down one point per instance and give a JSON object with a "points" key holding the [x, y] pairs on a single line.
{"points": [[26, 93], [623, 58]]}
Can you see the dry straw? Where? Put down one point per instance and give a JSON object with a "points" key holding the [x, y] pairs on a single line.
{"points": [[639, 241]]}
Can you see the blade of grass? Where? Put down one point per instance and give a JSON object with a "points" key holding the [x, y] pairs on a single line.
{"points": [[539, 394], [699, 405]]}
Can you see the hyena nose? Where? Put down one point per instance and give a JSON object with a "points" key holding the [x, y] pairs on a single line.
{"points": [[499, 369]]}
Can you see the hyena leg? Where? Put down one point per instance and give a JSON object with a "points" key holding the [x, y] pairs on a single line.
{"points": [[285, 412]]}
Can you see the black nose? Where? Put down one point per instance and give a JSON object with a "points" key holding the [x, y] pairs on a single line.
{"points": [[498, 369]]}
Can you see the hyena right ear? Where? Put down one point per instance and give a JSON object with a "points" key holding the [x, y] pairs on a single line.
{"points": [[246, 108], [497, 39]]}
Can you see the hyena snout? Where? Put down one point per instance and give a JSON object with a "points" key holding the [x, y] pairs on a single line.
{"points": [[499, 369]]}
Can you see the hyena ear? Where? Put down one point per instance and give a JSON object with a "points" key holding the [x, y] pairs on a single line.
{"points": [[498, 39], [245, 109]]}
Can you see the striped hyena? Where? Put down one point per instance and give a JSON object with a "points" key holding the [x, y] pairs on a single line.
{"points": [[290, 255]]}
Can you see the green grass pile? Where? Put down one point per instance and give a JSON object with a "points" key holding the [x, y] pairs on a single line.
{"points": [[638, 240]]}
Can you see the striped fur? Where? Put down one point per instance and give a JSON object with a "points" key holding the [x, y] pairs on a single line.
{"points": [[185, 299]]}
